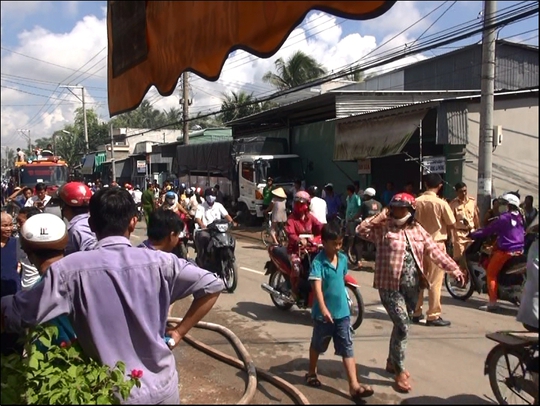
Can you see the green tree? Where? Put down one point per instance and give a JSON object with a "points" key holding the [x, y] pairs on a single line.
{"points": [[43, 142], [237, 105], [144, 116], [206, 122], [300, 68]]}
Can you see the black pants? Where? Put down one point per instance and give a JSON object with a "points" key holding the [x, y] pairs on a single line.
{"points": [[202, 239]]}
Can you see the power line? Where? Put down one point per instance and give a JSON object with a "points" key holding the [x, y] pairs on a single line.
{"points": [[414, 50]]}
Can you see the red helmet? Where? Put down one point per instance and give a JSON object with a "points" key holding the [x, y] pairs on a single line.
{"points": [[128, 186], [403, 200], [75, 194], [302, 196]]}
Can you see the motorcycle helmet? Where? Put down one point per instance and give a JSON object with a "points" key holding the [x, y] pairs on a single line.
{"points": [[403, 200], [44, 231], [75, 194], [370, 192], [302, 197], [170, 197], [127, 186], [313, 191], [510, 199]]}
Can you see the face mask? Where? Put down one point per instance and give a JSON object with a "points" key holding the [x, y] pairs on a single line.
{"points": [[300, 208], [402, 221], [503, 208], [210, 199]]}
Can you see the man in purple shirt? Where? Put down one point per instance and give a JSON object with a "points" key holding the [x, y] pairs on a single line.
{"points": [[75, 197], [117, 297]]}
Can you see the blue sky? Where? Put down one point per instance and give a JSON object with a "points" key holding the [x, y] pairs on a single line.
{"points": [[69, 39]]}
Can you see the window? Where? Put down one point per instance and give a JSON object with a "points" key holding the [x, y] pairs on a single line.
{"points": [[248, 171]]}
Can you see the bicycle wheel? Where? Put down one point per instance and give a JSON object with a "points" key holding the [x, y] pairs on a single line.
{"points": [[266, 237], [510, 382]]}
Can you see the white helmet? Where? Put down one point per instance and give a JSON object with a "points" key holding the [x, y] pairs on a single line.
{"points": [[511, 199], [44, 231], [370, 192]]}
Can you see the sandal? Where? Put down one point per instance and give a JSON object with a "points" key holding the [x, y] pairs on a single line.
{"points": [[390, 369], [313, 381], [402, 383], [363, 391]]}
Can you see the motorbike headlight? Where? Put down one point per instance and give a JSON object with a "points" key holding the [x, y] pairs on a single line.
{"points": [[222, 228]]}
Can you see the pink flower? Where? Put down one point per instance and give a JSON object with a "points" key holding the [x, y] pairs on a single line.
{"points": [[63, 344], [136, 374]]}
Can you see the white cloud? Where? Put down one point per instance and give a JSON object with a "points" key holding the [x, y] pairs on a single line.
{"points": [[320, 36]]}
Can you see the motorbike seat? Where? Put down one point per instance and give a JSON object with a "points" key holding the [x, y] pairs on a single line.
{"points": [[515, 264], [280, 253]]}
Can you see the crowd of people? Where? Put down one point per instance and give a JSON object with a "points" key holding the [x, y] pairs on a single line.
{"points": [[64, 272]]}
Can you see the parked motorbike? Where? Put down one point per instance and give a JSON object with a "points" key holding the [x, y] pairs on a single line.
{"points": [[512, 367], [220, 257], [279, 269], [474, 264]]}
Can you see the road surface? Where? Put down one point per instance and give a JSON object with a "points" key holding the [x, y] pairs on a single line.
{"points": [[446, 363]]}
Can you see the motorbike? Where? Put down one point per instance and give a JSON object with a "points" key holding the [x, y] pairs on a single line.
{"points": [[513, 365], [474, 263], [220, 257], [139, 212], [351, 243], [279, 270]]}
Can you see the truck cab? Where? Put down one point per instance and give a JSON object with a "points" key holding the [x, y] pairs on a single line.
{"points": [[253, 170]]}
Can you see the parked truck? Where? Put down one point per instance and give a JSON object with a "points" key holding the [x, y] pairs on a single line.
{"points": [[241, 168]]}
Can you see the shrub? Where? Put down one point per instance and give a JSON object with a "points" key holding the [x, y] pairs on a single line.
{"points": [[61, 375]]}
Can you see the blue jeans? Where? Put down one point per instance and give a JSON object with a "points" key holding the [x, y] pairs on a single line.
{"points": [[339, 331]]}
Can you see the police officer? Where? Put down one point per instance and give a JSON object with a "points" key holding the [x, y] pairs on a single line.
{"points": [[467, 217], [74, 201]]}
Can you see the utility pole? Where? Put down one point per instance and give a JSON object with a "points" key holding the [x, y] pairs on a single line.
{"points": [[113, 165], [84, 112], [185, 107], [26, 134], [485, 150]]}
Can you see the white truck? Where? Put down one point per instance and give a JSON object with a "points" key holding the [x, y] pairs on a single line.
{"points": [[241, 168]]}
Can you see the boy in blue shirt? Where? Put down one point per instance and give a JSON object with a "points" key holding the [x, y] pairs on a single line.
{"points": [[331, 312]]}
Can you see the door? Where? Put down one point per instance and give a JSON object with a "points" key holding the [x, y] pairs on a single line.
{"points": [[247, 181]]}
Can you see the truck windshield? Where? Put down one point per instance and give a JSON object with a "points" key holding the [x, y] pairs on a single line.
{"points": [[51, 175], [284, 170]]}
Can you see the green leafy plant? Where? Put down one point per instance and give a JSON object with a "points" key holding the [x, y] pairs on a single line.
{"points": [[61, 375]]}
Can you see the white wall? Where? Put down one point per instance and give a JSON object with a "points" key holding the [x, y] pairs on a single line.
{"points": [[515, 162], [134, 136]]}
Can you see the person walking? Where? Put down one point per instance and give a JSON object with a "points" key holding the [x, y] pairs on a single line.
{"points": [[402, 245], [467, 217], [278, 210], [330, 311], [435, 215], [317, 207], [148, 201]]}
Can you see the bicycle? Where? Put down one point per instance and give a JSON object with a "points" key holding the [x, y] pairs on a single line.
{"points": [[266, 233]]}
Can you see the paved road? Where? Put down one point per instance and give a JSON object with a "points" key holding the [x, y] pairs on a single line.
{"points": [[446, 363]]}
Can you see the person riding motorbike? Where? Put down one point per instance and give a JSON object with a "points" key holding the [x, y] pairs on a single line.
{"points": [[171, 203], [207, 213], [510, 230], [301, 221], [74, 206]]}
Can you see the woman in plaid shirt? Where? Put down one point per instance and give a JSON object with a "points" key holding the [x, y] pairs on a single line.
{"points": [[401, 243]]}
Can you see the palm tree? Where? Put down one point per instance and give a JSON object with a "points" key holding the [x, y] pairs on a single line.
{"points": [[300, 68], [173, 115], [237, 105]]}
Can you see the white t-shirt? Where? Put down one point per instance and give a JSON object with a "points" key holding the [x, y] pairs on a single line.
{"points": [[137, 196], [30, 202], [208, 214], [318, 209]]}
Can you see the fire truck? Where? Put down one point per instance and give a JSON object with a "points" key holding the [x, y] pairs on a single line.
{"points": [[45, 168]]}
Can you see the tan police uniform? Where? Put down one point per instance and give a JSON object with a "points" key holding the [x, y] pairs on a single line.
{"points": [[465, 212], [435, 215]]}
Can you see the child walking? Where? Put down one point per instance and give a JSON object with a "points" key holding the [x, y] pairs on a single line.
{"points": [[331, 312]]}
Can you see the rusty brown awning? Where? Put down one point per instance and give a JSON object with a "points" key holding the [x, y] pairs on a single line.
{"points": [[153, 42]]}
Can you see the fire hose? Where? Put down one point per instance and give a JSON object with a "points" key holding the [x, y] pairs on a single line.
{"points": [[245, 363]]}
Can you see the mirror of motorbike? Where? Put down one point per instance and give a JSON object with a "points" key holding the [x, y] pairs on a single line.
{"points": [[238, 213]]}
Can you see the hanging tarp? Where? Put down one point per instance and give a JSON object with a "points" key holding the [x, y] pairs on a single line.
{"points": [[153, 42], [363, 138]]}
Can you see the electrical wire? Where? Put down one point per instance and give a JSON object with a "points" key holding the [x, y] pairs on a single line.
{"points": [[511, 17]]}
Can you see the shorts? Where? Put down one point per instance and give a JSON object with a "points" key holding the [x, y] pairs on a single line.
{"points": [[340, 332]]}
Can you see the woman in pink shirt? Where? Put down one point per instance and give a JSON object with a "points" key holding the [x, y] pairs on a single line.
{"points": [[401, 244]]}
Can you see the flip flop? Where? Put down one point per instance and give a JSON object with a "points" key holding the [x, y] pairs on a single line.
{"points": [[313, 381], [363, 391], [390, 369], [402, 383]]}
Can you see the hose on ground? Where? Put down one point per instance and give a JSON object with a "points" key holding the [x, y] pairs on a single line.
{"points": [[246, 363]]}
